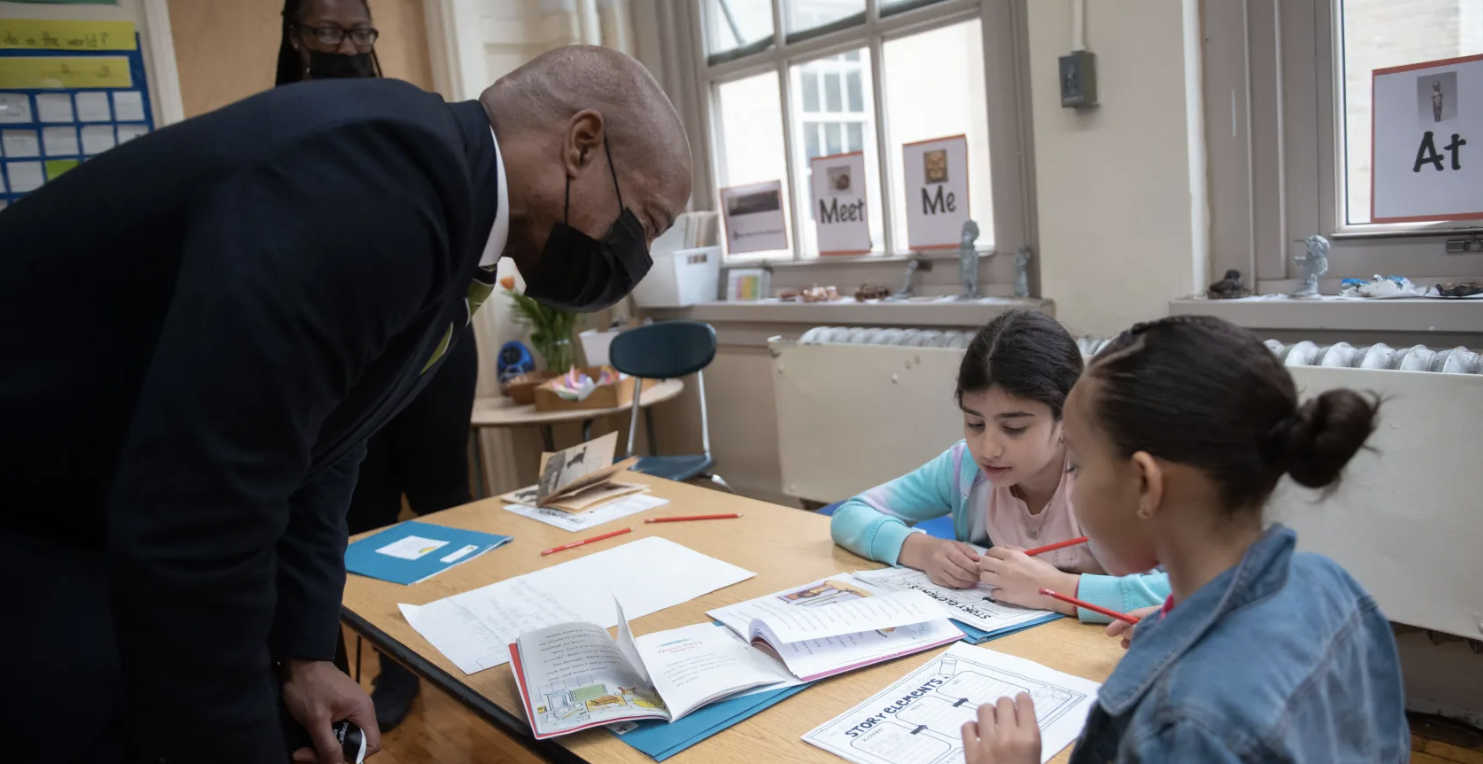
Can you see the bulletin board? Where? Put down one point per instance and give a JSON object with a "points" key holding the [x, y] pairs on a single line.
{"points": [[69, 91]]}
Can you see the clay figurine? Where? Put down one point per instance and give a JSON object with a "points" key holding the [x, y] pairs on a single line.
{"points": [[912, 266], [871, 292], [968, 262], [1228, 288], [1022, 271], [1315, 263], [1460, 289]]}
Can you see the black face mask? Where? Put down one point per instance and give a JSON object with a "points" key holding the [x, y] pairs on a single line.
{"points": [[338, 66], [579, 273]]}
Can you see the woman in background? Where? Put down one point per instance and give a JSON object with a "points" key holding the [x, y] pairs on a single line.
{"points": [[423, 452]]}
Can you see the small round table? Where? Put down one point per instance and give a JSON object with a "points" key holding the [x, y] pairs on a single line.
{"points": [[503, 412]]}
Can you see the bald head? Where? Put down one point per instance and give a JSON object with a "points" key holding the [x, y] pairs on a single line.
{"points": [[560, 119]]}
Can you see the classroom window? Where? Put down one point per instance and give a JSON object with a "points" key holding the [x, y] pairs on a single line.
{"points": [[862, 76]]}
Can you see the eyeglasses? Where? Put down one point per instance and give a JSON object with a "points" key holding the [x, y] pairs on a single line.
{"points": [[363, 38]]}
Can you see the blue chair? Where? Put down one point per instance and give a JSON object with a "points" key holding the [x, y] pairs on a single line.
{"points": [[669, 350]]}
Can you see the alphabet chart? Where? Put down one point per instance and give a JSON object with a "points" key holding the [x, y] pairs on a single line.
{"points": [[69, 90], [918, 719]]}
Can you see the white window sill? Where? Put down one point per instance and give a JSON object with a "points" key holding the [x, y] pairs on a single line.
{"points": [[928, 311], [1333, 313], [741, 261]]}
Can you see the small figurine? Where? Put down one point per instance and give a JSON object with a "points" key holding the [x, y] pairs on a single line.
{"points": [[1228, 288], [1315, 263], [1460, 289], [968, 262], [817, 293], [912, 266], [871, 292], [1022, 271]]}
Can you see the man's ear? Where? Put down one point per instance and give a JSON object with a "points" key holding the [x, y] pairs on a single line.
{"points": [[584, 136], [1150, 484]]}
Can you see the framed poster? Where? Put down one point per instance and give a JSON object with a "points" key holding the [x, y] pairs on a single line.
{"points": [[755, 220], [841, 209], [936, 182], [1425, 163]]}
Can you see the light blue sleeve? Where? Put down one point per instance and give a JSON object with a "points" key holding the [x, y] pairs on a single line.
{"points": [[874, 524], [1121, 593]]}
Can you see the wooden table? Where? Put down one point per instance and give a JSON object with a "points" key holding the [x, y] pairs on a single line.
{"points": [[783, 546]]}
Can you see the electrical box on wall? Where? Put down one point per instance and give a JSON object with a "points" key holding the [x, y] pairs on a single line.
{"points": [[1079, 79]]}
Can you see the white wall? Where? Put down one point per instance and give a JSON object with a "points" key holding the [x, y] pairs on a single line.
{"points": [[1117, 233]]}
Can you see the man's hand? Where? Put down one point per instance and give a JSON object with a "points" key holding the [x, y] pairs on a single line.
{"points": [[317, 695], [1126, 629], [1020, 577], [1005, 733], [946, 563]]}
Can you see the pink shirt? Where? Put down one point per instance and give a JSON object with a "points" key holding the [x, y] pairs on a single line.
{"points": [[1006, 520]]}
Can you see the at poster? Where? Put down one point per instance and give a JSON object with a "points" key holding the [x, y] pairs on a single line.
{"points": [[755, 220], [1428, 121], [841, 208], [936, 175]]}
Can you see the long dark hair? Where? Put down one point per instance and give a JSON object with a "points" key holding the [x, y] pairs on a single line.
{"points": [[1027, 354], [1200, 391], [290, 68]]}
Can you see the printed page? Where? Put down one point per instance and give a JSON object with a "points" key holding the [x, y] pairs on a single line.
{"points": [[975, 607], [699, 664], [829, 607], [573, 677], [562, 469], [817, 658], [917, 720], [628, 505]]}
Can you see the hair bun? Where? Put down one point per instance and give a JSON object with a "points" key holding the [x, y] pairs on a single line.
{"points": [[1324, 434]]}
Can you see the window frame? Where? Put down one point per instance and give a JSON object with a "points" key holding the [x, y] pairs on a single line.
{"points": [[1010, 161], [1273, 112]]}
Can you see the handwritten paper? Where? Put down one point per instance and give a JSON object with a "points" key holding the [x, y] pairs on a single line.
{"points": [[580, 521], [24, 176], [54, 34], [60, 141], [60, 72], [15, 108], [20, 144], [92, 106], [97, 139], [54, 107], [128, 133], [129, 106]]}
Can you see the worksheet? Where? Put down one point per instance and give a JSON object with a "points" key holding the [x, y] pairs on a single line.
{"points": [[474, 629], [581, 521], [975, 607], [918, 719]]}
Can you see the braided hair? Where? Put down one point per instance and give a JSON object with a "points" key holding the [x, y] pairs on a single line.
{"points": [[290, 67]]}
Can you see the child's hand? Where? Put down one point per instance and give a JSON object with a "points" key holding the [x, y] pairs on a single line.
{"points": [[1126, 629], [1020, 578], [1005, 733], [946, 563]]}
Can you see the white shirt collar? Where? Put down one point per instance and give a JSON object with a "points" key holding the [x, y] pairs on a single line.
{"points": [[500, 232]]}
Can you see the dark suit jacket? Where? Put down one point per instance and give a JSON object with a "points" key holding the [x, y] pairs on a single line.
{"points": [[198, 332]]}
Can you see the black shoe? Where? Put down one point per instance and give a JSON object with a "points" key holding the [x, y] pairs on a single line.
{"points": [[395, 689]]}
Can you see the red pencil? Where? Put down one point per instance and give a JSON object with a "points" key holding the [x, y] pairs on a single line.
{"points": [[576, 544], [1090, 606], [683, 518], [1055, 546]]}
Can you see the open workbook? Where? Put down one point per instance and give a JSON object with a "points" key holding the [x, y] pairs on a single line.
{"points": [[839, 624], [574, 676], [578, 478]]}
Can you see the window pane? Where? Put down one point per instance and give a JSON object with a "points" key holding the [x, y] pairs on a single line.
{"points": [[847, 125], [811, 92], [751, 136], [852, 83], [1384, 33], [803, 15], [731, 24], [925, 100], [889, 7]]}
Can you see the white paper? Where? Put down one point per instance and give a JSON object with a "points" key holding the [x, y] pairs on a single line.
{"points": [[60, 141], [97, 139], [936, 183], [128, 106], [15, 109], [919, 718], [628, 505], [24, 176], [411, 547], [128, 133], [974, 607], [841, 206], [1419, 174], [755, 220], [92, 106], [648, 575], [692, 666], [21, 144], [54, 107], [460, 554], [458, 635]]}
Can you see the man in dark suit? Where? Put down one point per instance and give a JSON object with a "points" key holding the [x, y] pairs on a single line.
{"points": [[198, 332]]}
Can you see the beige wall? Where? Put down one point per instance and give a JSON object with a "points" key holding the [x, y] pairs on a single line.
{"points": [[227, 51]]}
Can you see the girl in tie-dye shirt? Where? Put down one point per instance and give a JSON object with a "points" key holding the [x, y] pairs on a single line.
{"points": [[1006, 484]]}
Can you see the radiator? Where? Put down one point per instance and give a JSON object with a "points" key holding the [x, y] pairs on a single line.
{"points": [[1407, 521]]}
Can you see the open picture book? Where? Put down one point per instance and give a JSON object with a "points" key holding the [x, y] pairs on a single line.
{"points": [[574, 676], [839, 624], [578, 478]]}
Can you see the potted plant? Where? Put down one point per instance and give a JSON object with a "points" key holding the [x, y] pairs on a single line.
{"points": [[551, 332]]}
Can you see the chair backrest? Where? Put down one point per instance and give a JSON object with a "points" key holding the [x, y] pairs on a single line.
{"points": [[664, 350]]}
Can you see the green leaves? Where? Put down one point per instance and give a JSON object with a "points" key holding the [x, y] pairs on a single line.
{"points": [[550, 330]]}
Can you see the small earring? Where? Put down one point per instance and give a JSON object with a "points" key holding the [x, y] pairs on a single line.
{"points": [[1144, 512]]}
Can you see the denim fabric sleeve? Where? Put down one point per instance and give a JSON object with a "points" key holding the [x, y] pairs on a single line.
{"points": [[874, 524], [1121, 593], [1184, 740]]}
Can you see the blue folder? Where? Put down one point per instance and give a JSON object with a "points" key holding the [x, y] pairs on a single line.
{"points": [[410, 552], [977, 636], [660, 740]]}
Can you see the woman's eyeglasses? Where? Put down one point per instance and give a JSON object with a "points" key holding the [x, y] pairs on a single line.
{"points": [[363, 38]]}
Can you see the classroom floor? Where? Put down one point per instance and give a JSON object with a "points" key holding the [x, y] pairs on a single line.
{"points": [[441, 730]]}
